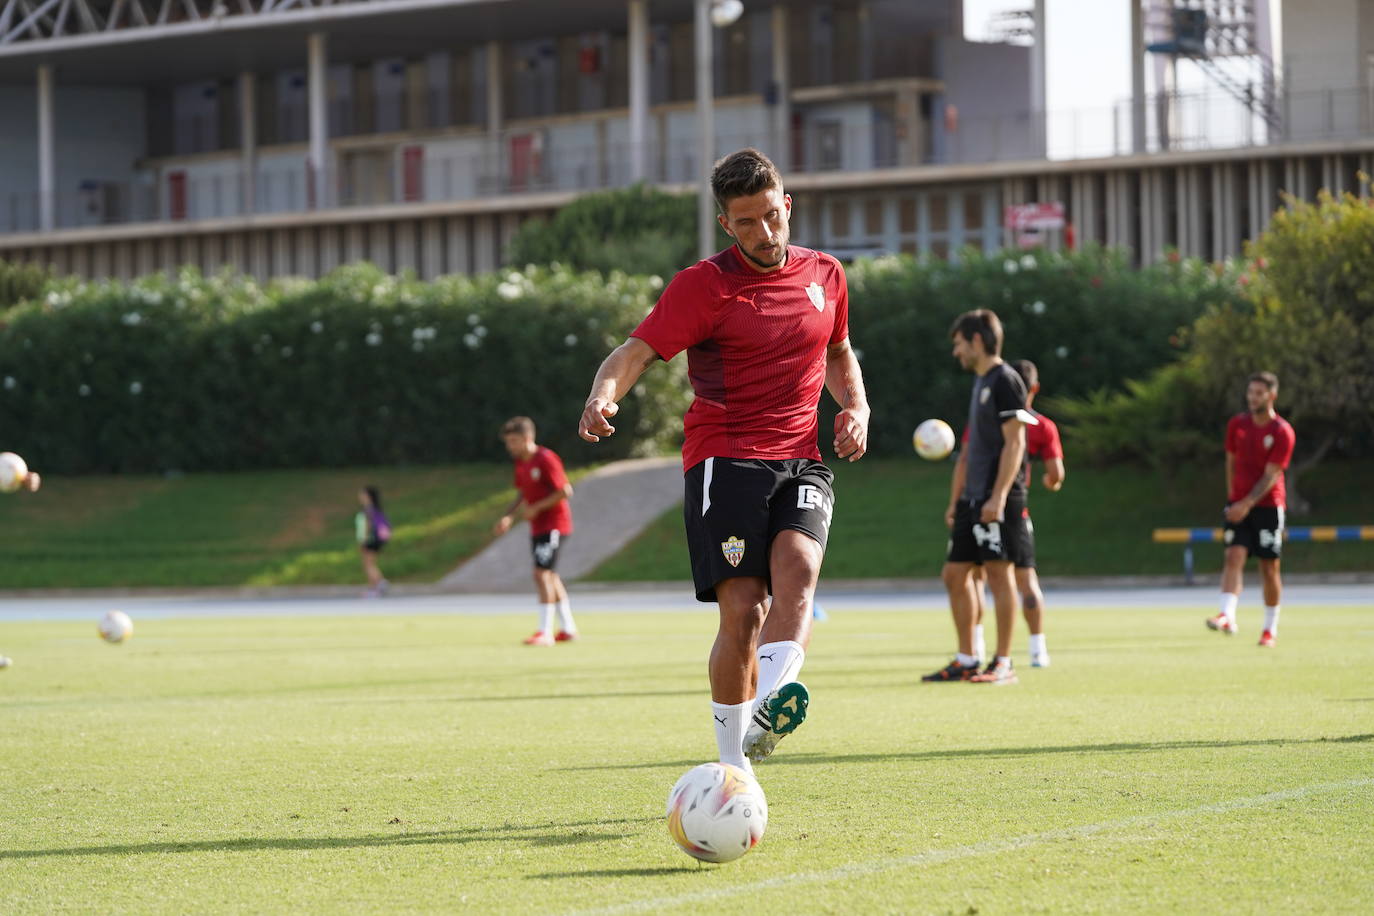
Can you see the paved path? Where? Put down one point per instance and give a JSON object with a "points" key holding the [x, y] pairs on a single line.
{"points": [[610, 506]]}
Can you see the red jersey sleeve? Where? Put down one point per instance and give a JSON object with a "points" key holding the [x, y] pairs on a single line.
{"points": [[964, 438], [683, 316], [1281, 452], [554, 475], [1050, 446], [840, 295], [1231, 426]]}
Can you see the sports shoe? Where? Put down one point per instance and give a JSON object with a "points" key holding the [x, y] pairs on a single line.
{"points": [[779, 714], [996, 672], [541, 638], [565, 636], [952, 672], [1222, 624], [1267, 640], [1040, 659]]}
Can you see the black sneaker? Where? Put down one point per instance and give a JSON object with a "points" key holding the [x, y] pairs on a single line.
{"points": [[952, 672]]}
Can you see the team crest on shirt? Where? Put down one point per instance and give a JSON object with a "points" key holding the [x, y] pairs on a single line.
{"points": [[817, 294], [984, 395], [733, 548], [534, 473], [1268, 441]]}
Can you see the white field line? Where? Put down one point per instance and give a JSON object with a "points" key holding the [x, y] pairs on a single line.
{"points": [[989, 847]]}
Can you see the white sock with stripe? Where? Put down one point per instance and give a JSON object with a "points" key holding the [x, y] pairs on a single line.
{"points": [[565, 618], [1271, 619], [779, 663], [1228, 605], [730, 722], [546, 617]]}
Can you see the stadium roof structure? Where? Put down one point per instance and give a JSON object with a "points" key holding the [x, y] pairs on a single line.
{"points": [[140, 41]]}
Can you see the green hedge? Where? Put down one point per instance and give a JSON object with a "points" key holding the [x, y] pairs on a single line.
{"points": [[1087, 319], [19, 282], [199, 373]]}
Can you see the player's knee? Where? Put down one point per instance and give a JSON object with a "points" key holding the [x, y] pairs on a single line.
{"points": [[1030, 600], [954, 575]]}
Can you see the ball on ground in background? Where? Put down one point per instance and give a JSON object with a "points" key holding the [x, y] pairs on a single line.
{"points": [[116, 626], [5, 661], [933, 440], [13, 470], [716, 812]]}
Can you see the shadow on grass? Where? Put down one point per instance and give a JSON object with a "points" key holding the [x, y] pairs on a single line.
{"points": [[617, 872], [534, 835], [1113, 748]]}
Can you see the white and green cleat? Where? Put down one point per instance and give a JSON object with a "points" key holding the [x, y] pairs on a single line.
{"points": [[779, 714]]}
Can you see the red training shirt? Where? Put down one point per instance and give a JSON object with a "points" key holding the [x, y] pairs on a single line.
{"points": [[1253, 447], [756, 345], [538, 476]]}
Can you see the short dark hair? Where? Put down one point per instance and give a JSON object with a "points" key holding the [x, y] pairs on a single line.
{"points": [[374, 496], [743, 174], [1268, 379], [523, 426], [1029, 374], [982, 323]]}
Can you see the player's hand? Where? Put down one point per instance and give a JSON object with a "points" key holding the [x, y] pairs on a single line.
{"points": [[1050, 483], [33, 482], [851, 433], [949, 518], [502, 526], [528, 512], [1236, 512], [992, 511], [594, 416]]}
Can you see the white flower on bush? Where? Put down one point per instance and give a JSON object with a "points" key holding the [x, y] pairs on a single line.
{"points": [[135, 387], [480, 331], [57, 299], [286, 352], [375, 327], [474, 320], [316, 327], [1028, 262], [1037, 307], [655, 282], [132, 319], [508, 291], [1010, 266], [10, 383], [84, 390], [373, 339], [472, 340], [418, 346], [1061, 351], [398, 320], [570, 340], [265, 339], [429, 333]]}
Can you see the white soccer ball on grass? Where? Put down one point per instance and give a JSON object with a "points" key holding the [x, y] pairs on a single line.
{"points": [[116, 627], [933, 440], [716, 812], [13, 470]]}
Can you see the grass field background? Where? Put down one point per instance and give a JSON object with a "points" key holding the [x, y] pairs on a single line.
{"points": [[430, 763], [296, 527]]}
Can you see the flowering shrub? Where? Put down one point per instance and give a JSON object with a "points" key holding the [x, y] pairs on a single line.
{"points": [[201, 373]]}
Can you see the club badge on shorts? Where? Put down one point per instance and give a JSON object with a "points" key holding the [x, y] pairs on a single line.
{"points": [[733, 548]]}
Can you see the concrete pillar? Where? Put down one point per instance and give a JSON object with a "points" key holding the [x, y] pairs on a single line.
{"points": [[1037, 80], [47, 161], [495, 120], [706, 130], [1137, 76], [317, 90], [248, 142], [781, 153], [458, 245], [639, 89]]}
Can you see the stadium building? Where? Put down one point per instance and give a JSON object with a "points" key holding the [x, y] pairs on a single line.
{"points": [[285, 137]]}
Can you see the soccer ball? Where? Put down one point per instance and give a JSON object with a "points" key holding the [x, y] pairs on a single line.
{"points": [[933, 440], [13, 470], [116, 626], [716, 812]]}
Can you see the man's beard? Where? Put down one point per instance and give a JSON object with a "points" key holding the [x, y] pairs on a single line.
{"points": [[782, 258]]}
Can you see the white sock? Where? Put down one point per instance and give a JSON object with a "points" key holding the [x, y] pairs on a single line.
{"points": [[1228, 605], [779, 663], [1271, 619], [565, 621], [1037, 644], [1004, 659], [546, 617], [980, 646], [730, 723], [966, 660]]}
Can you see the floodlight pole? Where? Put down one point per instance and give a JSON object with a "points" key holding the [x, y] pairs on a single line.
{"points": [[47, 162], [1137, 77], [639, 89], [706, 130]]}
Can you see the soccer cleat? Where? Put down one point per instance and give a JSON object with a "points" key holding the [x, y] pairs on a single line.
{"points": [[952, 672], [778, 715], [1040, 659], [541, 638], [999, 673], [565, 636], [1267, 640], [1222, 624]]}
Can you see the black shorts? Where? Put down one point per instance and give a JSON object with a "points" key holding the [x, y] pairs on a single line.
{"points": [[373, 545], [1260, 533], [1008, 541], [734, 507], [544, 548]]}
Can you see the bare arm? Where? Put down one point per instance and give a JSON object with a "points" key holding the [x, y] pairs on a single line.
{"points": [[845, 382], [1013, 451], [508, 517], [548, 502], [1237, 511], [956, 485], [1230, 472], [1054, 474], [614, 379]]}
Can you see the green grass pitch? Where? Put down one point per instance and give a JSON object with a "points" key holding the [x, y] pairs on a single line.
{"points": [[432, 764]]}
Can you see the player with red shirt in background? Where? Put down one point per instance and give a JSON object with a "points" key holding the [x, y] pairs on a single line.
{"points": [[766, 326], [1042, 441], [543, 502], [1259, 445]]}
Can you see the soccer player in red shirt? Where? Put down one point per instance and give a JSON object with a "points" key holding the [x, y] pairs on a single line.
{"points": [[1259, 445], [765, 325], [543, 502]]}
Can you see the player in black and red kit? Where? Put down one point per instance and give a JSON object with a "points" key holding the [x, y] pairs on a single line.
{"points": [[765, 325], [543, 497], [1259, 445]]}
